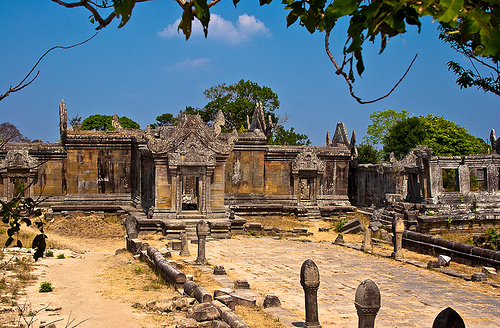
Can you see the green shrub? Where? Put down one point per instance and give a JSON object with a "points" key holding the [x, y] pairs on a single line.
{"points": [[45, 287], [60, 256], [138, 270], [339, 225], [49, 253]]}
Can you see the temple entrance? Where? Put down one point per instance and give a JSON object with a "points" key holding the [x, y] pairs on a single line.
{"points": [[191, 191], [306, 189]]}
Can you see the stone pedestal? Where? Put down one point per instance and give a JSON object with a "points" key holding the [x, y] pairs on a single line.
{"points": [[309, 279], [202, 230], [367, 302], [184, 245], [398, 227]]}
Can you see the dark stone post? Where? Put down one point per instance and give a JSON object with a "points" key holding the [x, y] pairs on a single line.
{"points": [[202, 230], [448, 318], [367, 302], [184, 244], [398, 227], [309, 279]]}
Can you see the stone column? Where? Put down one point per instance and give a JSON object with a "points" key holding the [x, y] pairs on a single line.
{"points": [[398, 227], [202, 230], [309, 279], [367, 302], [367, 242], [184, 244]]}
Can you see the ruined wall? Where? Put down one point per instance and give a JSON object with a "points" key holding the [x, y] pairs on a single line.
{"points": [[370, 183], [40, 166], [278, 171], [99, 163]]}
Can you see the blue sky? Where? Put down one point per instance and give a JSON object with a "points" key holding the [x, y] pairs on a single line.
{"points": [[145, 69]]}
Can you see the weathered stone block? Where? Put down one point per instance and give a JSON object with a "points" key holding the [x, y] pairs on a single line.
{"points": [[353, 226]]}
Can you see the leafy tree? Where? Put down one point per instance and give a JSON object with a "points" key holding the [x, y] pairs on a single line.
{"points": [[281, 136], [164, 120], [10, 133], [382, 121], [237, 101], [367, 154], [485, 72], [476, 23], [444, 137], [99, 122]]}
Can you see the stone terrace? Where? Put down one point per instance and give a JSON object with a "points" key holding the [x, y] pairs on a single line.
{"points": [[411, 296]]}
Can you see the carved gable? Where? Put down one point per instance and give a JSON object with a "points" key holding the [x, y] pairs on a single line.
{"points": [[307, 161], [191, 142], [18, 159]]}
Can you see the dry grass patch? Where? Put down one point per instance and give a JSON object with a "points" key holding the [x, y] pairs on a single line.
{"points": [[87, 226], [285, 222], [256, 317]]}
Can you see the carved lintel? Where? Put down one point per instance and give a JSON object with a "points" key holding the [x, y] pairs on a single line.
{"points": [[308, 161]]}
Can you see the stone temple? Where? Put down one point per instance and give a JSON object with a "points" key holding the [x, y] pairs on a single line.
{"points": [[180, 174]]}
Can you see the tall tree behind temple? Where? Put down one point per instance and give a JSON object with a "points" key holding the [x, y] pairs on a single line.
{"points": [[10, 133]]}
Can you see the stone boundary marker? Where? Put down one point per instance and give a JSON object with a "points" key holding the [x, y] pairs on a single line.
{"points": [[367, 302]]}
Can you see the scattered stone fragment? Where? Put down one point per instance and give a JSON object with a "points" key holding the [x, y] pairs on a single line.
{"points": [[120, 251], [57, 308], [375, 225], [227, 300], [243, 300], [433, 265], [490, 272], [219, 270], [189, 277], [271, 301], [339, 240], [242, 284], [220, 324], [479, 276], [204, 312], [323, 229], [223, 291], [182, 303], [353, 226], [187, 323], [444, 260]]}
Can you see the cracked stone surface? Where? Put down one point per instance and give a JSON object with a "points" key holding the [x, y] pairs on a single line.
{"points": [[411, 296]]}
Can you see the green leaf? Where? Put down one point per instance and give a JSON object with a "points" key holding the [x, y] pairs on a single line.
{"points": [[186, 22], [39, 244], [26, 221], [202, 12], [9, 241], [291, 18], [235, 2], [123, 8], [491, 43], [341, 8], [449, 10]]}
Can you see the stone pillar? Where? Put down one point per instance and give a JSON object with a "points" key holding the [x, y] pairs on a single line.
{"points": [[367, 242], [309, 279], [398, 227], [184, 244], [202, 230], [367, 302]]}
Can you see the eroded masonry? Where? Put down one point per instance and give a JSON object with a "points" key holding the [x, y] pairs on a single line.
{"points": [[192, 171]]}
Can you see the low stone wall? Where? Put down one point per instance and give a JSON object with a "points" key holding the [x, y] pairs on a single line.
{"points": [[460, 253], [463, 223]]}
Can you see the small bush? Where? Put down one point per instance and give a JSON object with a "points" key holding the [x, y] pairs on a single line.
{"points": [[138, 270], [45, 287], [339, 225], [60, 256], [49, 253]]}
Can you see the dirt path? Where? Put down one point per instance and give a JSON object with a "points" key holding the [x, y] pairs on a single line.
{"points": [[77, 290]]}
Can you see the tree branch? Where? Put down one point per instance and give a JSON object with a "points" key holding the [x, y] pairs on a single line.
{"points": [[21, 85], [340, 71]]}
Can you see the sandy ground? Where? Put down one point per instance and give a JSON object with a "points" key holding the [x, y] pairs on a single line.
{"points": [[78, 290]]}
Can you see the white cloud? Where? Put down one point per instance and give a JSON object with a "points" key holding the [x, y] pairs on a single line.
{"points": [[220, 29], [200, 63]]}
